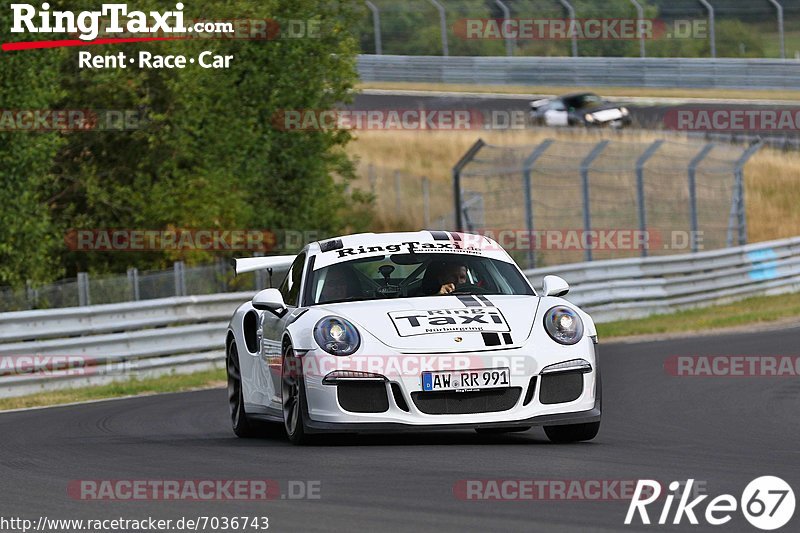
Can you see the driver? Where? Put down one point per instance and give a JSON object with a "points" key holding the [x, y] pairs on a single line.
{"points": [[452, 276], [444, 278], [340, 284]]}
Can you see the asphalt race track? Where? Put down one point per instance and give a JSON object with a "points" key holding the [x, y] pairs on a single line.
{"points": [[724, 431], [645, 115]]}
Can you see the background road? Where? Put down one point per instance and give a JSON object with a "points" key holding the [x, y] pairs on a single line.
{"points": [[646, 113], [724, 431]]}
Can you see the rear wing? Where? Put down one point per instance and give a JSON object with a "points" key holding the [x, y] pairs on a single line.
{"points": [[252, 264]]}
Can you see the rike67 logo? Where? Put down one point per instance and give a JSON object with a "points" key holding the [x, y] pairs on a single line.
{"points": [[767, 503]]}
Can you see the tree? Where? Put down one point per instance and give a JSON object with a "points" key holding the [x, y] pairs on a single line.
{"points": [[28, 81], [209, 154]]}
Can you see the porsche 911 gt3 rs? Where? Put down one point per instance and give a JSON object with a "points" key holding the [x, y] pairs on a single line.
{"points": [[411, 331]]}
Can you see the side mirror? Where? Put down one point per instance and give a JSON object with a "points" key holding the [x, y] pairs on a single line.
{"points": [[269, 300], [554, 286]]}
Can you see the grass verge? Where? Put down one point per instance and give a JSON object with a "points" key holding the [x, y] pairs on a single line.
{"points": [[752, 311], [619, 92], [133, 387]]}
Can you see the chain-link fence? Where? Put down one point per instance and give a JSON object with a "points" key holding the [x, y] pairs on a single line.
{"points": [[568, 201], [180, 280], [403, 200], [682, 28]]}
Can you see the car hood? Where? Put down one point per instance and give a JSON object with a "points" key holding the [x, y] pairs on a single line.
{"points": [[441, 324]]}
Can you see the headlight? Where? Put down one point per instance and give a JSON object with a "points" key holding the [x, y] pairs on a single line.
{"points": [[336, 336], [624, 111], [563, 325], [589, 118]]}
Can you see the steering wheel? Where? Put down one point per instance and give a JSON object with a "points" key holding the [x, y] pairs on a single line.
{"points": [[469, 288]]}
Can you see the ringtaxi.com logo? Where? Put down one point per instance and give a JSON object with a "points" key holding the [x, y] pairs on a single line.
{"points": [[87, 23], [767, 502]]}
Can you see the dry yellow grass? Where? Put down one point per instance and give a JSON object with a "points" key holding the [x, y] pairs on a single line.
{"points": [[772, 187], [772, 195]]}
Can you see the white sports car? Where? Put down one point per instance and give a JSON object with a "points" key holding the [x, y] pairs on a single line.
{"points": [[413, 331]]}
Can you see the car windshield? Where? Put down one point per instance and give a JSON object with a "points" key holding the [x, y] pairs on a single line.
{"points": [[583, 101], [415, 275]]}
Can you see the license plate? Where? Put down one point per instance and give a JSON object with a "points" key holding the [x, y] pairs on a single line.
{"points": [[465, 380]]}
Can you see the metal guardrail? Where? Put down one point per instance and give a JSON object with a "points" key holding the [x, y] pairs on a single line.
{"points": [[584, 71], [637, 287], [186, 334], [58, 348]]}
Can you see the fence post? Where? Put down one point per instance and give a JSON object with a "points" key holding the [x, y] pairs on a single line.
{"points": [[526, 182], [442, 25], [426, 201], [373, 178], [640, 163], [587, 214], [133, 283], [221, 267], [31, 295], [259, 277], [376, 25], [779, 8], [711, 27], [398, 204], [571, 15], [741, 214], [506, 16], [180, 279], [693, 192], [459, 166], [84, 298], [640, 26], [474, 202]]}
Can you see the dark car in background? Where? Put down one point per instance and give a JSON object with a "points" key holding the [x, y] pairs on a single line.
{"points": [[579, 109]]}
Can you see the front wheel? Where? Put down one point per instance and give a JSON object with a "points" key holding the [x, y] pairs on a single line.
{"points": [[293, 399], [572, 432], [242, 427]]}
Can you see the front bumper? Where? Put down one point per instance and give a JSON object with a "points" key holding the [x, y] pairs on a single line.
{"points": [[557, 419], [325, 413]]}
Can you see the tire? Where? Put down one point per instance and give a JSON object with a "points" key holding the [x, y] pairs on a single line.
{"points": [[499, 431], [293, 398], [242, 426], [572, 432]]}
